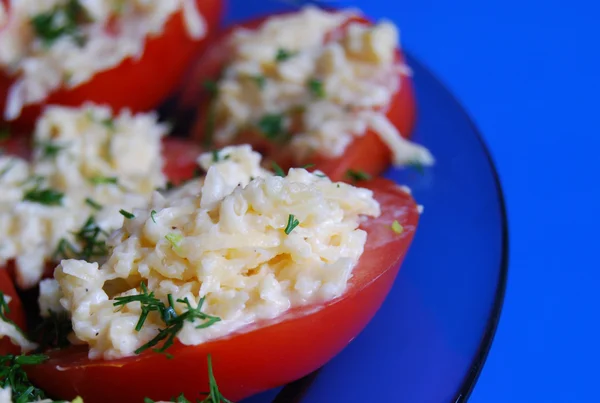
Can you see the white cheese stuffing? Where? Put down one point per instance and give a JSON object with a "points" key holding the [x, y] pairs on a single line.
{"points": [[8, 329], [106, 33], [49, 298], [231, 244], [6, 397], [338, 85], [100, 163]]}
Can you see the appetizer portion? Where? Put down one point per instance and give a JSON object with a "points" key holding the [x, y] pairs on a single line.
{"points": [[120, 53], [312, 87], [255, 268], [87, 165]]}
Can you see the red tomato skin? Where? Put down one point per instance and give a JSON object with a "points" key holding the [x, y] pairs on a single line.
{"points": [[180, 159], [16, 314], [247, 363], [367, 153], [139, 85]]}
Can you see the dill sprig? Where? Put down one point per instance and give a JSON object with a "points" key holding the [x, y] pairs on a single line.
{"points": [[53, 331], [14, 376], [126, 214], [63, 20], [213, 396], [291, 224], [93, 204], [49, 149], [277, 169], [272, 126], [317, 88], [357, 176], [173, 322], [283, 54], [48, 196], [104, 180], [91, 239], [5, 310]]}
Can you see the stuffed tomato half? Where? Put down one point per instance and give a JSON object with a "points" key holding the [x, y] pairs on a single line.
{"points": [[122, 54], [269, 275], [328, 88], [63, 188]]}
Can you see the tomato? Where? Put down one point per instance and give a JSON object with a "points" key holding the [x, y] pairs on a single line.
{"points": [[367, 153], [139, 84], [180, 165], [246, 363], [180, 159], [16, 313]]}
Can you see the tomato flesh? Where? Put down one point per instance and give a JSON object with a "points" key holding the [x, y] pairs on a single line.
{"points": [[16, 313], [367, 153], [140, 84], [274, 353]]}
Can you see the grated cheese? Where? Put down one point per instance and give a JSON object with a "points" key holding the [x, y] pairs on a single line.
{"points": [[73, 58], [330, 87], [76, 150], [228, 244]]}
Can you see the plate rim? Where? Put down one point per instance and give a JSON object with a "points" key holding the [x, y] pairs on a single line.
{"points": [[294, 392]]}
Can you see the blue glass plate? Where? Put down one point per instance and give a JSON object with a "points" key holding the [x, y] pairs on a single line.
{"points": [[429, 341]]}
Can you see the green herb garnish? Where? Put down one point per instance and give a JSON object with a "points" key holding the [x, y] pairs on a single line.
{"points": [[357, 176], [316, 88], [277, 169], [109, 123], [417, 166], [93, 204], [53, 331], [4, 133], [63, 20], [153, 215], [4, 311], [214, 396], [48, 197], [260, 81], [8, 167], [210, 86], [397, 227], [283, 54], [291, 224], [91, 239], [101, 180], [49, 149], [272, 126], [126, 214], [174, 239], [173, 322], [13, 376]]}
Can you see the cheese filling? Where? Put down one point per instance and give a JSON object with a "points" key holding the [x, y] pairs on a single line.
{"points": [[51, 44], [247, 249], [87, 165], [300, 74]]}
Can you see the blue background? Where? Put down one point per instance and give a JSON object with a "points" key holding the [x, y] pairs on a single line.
{"points": [[528, 74]]}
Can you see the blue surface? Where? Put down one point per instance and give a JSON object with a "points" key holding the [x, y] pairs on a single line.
{"points": [[527, 72], [422, 343]]}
